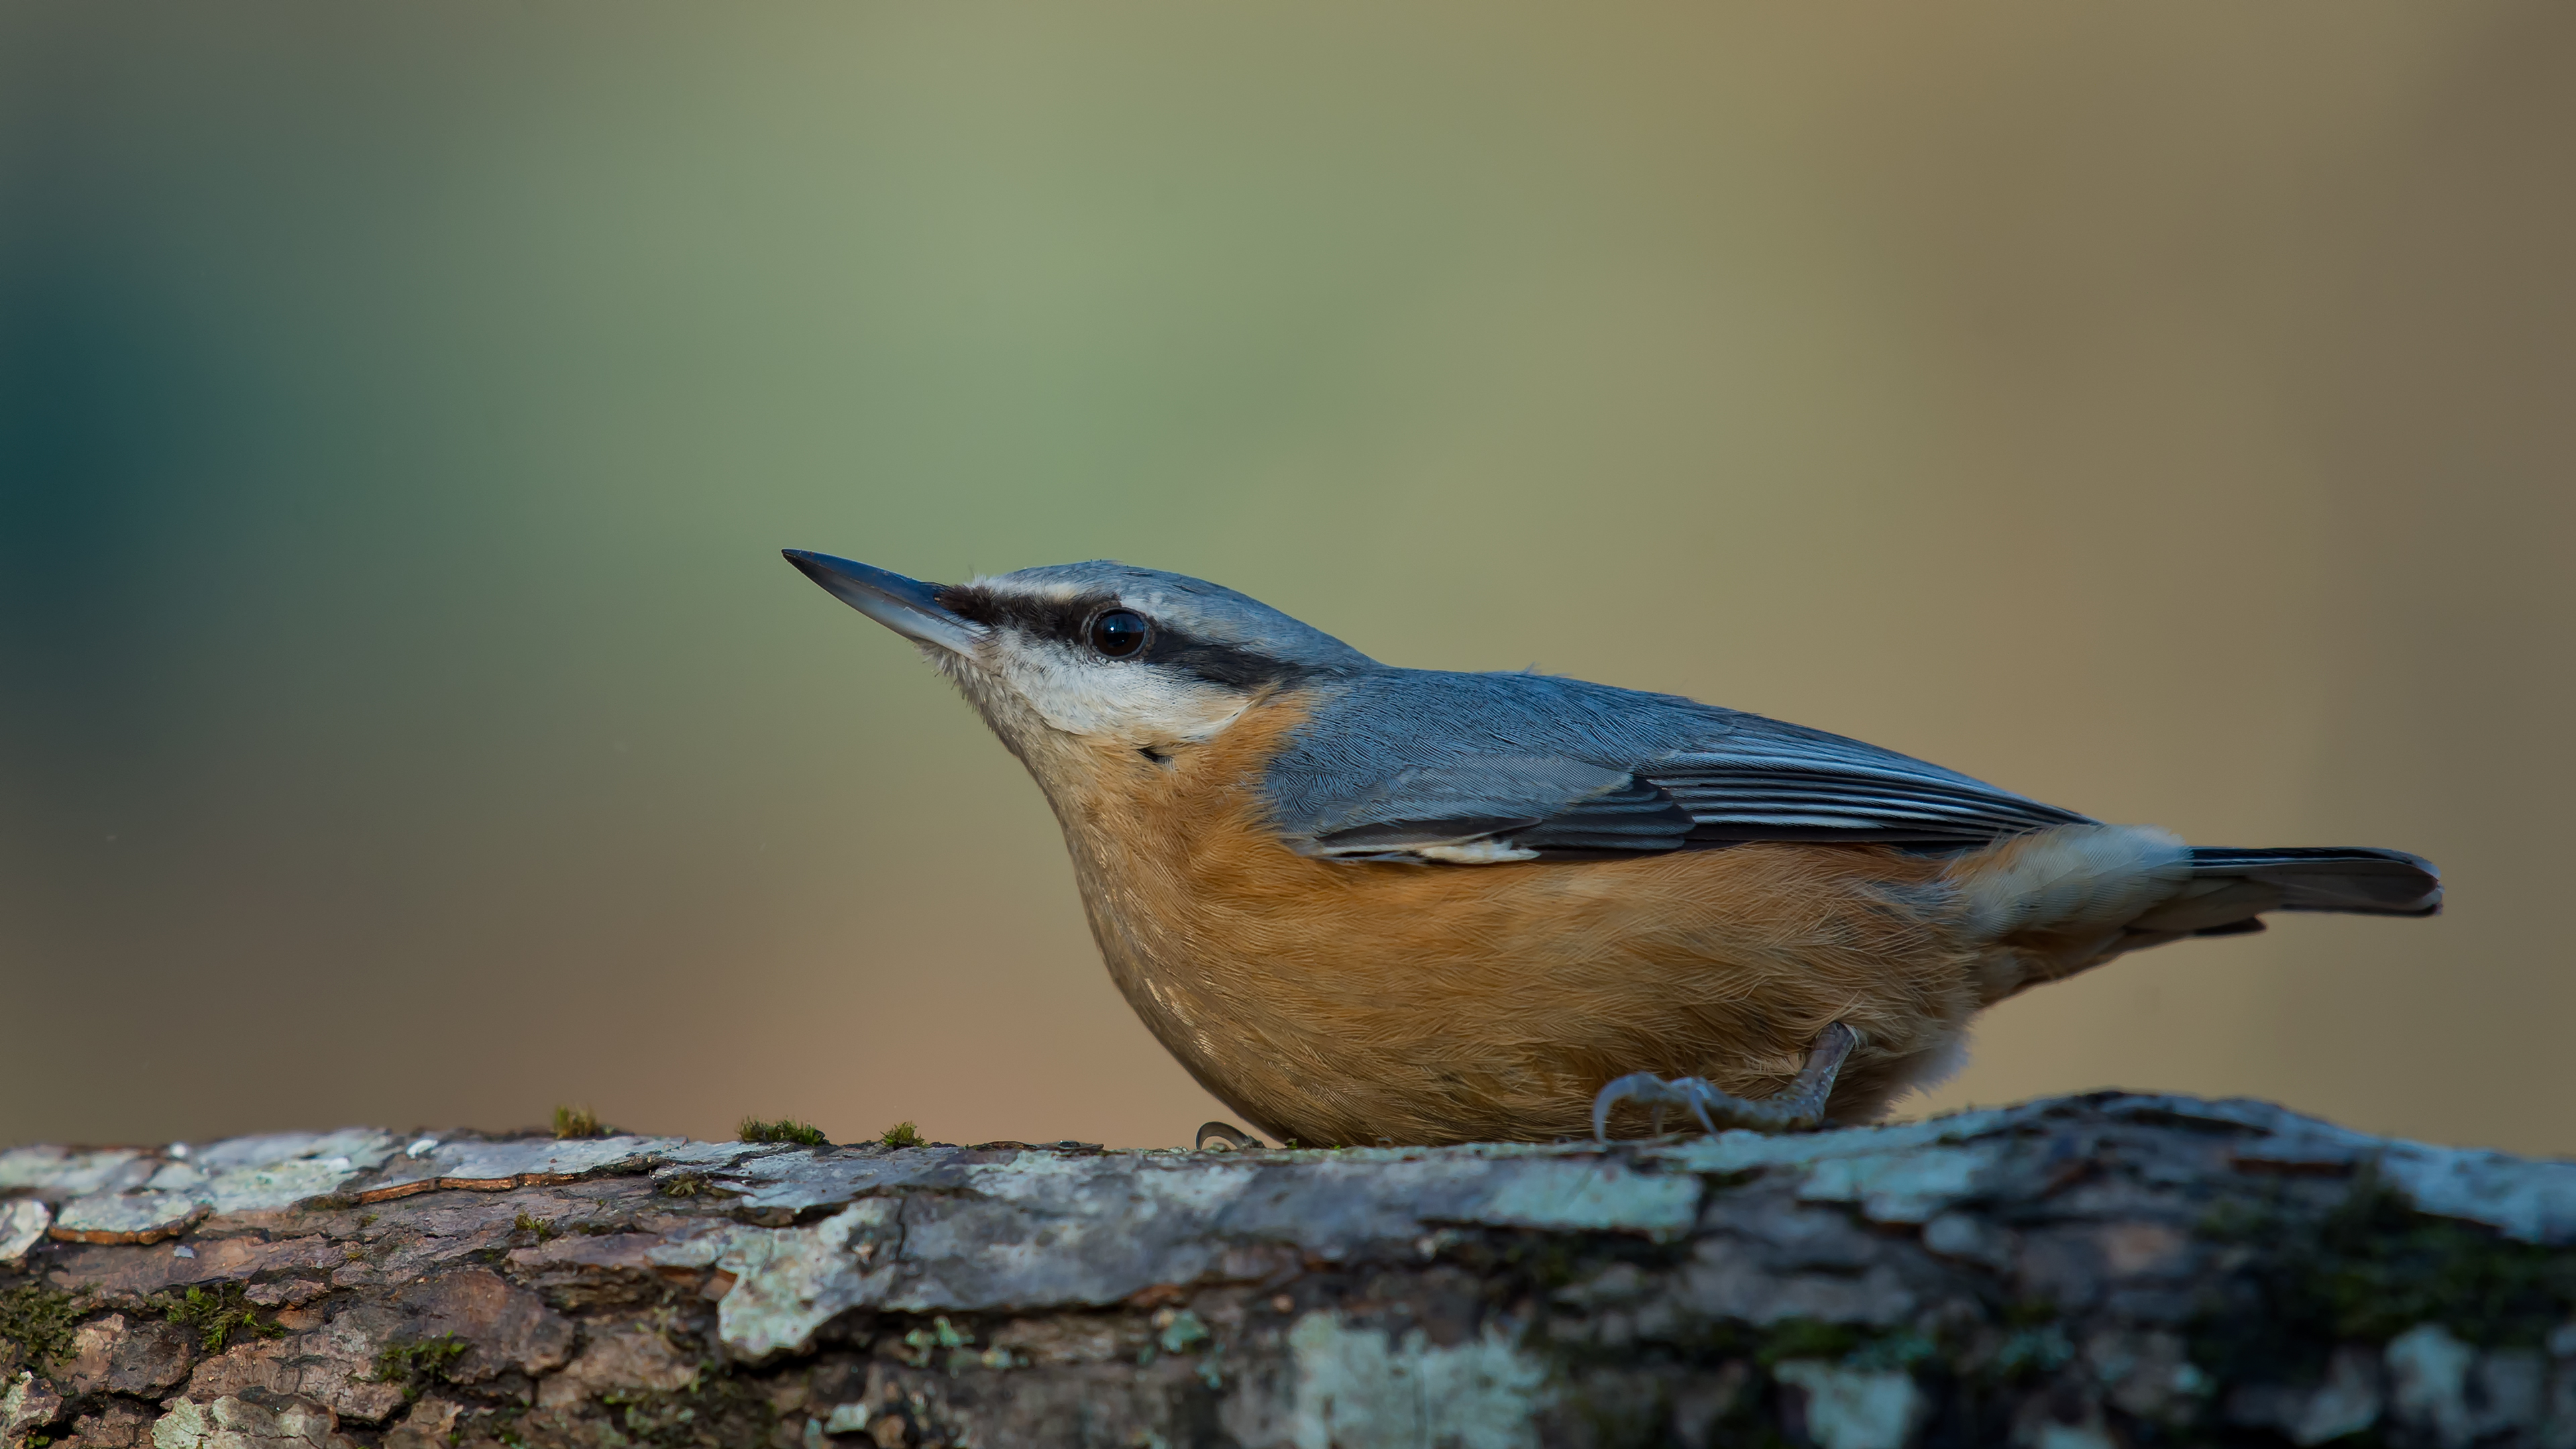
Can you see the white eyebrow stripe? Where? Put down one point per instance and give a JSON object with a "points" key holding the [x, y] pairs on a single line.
{"points": [[1052, 591]]}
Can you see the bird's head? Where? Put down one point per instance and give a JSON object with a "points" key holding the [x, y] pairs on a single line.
{"points": [[1075, 658]]}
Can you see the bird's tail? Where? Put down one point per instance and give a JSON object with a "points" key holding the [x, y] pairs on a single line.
{"points": [[2066, 899], [2357, 880]]}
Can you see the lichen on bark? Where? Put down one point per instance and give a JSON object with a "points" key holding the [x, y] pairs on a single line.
{"points": [[2112, 1270]]}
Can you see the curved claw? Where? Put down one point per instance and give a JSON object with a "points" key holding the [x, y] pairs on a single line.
{"points": [[1700, 1095], [1226, 1137], [1644, 1088], [1648, 1090], [1801, 1105]]}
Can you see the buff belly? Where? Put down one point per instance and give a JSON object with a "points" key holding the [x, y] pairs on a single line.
{"points": [[1341, 1002]]}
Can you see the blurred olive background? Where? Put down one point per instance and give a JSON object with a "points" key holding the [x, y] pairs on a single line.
{"points": [[405, 717]]}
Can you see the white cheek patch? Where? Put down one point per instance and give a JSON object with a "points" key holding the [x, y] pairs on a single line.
{"points": [[1081, 695]]}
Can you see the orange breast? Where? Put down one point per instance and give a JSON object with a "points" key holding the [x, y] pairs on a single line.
{"points": [[1353, 1002]]}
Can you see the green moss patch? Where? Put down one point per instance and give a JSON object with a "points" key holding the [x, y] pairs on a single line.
{"points": [[39, 1322], [216, 1315], [2368, 1269], [571, 1122], [420, 1363], [787, 1131], [717, 1410]]}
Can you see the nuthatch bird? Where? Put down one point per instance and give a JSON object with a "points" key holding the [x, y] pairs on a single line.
{"points": [[1365, 904]]}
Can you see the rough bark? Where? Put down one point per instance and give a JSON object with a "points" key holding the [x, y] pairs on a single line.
{"points": [[2098, 1271]]}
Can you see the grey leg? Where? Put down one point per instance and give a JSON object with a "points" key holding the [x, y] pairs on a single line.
{"points": [[1801, 1105]]}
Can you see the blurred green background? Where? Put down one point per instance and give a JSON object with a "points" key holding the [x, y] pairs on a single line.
{"points": [[2167, 411]]}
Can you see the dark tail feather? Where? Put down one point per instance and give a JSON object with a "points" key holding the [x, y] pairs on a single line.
{"points": [[2354, 879]]}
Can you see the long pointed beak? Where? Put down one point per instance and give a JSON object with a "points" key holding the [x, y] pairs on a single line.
{"points": [[907, 606]]}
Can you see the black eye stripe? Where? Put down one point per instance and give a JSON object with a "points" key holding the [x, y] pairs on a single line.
{"points": [[1221, 663], [1166, 645], [1064, 619]]}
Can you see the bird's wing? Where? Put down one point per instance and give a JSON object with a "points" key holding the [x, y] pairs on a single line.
{"points": [[1505, 767], [1499, 797], [1772, 781]]}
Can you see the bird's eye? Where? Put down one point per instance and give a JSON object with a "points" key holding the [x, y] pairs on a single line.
{"points": [[1119, 633]]}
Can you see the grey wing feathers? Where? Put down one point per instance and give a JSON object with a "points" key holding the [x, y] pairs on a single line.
{"points": [[1779, 782], [1401, 760], [1459, 800], [1639, 816]]}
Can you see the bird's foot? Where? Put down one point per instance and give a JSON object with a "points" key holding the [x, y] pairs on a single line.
{"points": [[1226, 1137], [1800, 1106]]}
